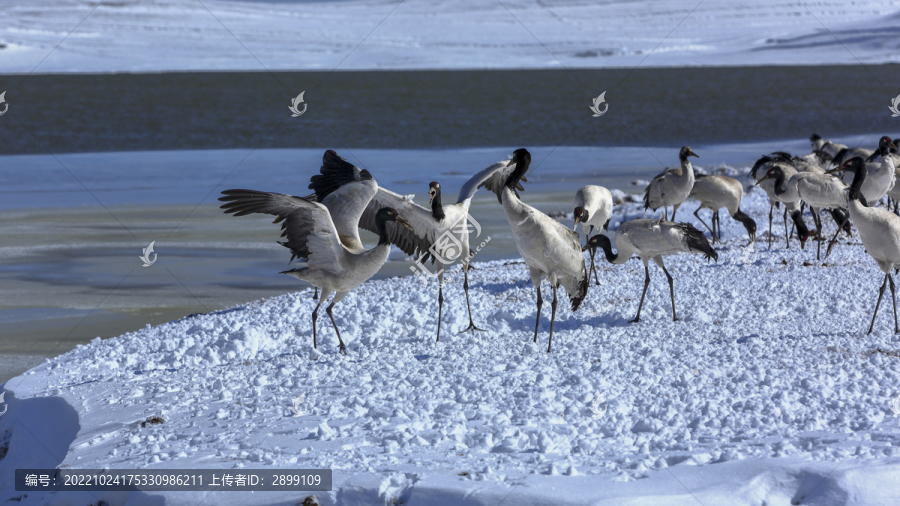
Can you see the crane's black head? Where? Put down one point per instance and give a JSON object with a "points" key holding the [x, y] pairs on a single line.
{"points": [[815, 137], [434, 197], [522, 159], [434, 189], [857, 166], [885, 145], [775, 172], [748, 222], [602, 242], [384, 215], [519, 157], [802, 231], [685, 152], [581, 215]]}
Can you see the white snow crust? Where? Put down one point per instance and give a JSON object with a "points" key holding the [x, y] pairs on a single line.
{"points": [[178, 35]]}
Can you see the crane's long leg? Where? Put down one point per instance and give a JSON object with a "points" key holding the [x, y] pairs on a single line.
{"points": [[711, 233], [772, 206], [315, 315], [338, 296], [440, 277], [880, 293], [674, 210], [893, 301], [818, 220], [593, 269], [552, 316], [842, 220], [540, 302], [472, 326], [659, 262], [836, 234], [316, 294], [637, 317], [787, 236], [718, 225]]}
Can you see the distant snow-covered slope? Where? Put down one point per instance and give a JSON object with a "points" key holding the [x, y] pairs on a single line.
{"points": [[156, 35]]}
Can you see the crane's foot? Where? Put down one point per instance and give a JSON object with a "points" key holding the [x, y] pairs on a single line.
{"points": [[471, 327], [636, 320], [343, 349]]}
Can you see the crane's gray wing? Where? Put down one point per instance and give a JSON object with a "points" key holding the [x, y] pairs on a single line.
{"points": [[412, 242], [345, 190], [479, 179], [497, 178], [310, 233]]}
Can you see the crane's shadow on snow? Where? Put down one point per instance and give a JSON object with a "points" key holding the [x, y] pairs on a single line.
{"points": [[498, 288]]}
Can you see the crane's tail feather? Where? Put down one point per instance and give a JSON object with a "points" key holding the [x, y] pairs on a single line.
{"points": [[696, 241]]}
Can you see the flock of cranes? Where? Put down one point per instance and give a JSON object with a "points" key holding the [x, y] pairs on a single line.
{"points": [[323, 228]]}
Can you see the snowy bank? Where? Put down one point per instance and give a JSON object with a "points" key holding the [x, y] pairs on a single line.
{"points": [[175, 35], [767, 391]]}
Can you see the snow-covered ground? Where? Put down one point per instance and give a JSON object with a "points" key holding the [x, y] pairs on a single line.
{"points": [[158, 35], [768, 391]]}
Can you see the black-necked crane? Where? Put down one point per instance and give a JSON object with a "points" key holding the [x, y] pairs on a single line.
{"points": [[879, 231], [758, 173], [440, 233], [893, 193], [311, 234], [716, 192], [879, 179], [804, 164], [832, 148], [671, 187], [880, 175], [651, 239], [549, 248], [593, 208], [816, 190], [774, 181], [848, 153]]}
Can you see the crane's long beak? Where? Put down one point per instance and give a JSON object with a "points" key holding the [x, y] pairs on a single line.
{"points": [[511, 162], [403, 222], [577, 221], [587, 247]]}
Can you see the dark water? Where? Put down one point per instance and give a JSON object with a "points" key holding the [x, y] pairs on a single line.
{"points": [[441, 109]]}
